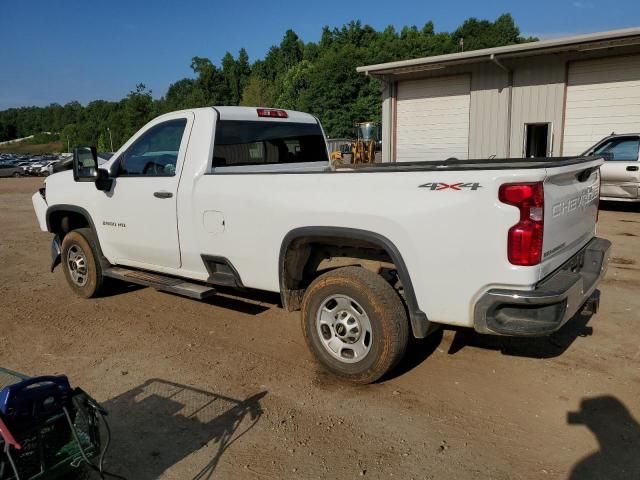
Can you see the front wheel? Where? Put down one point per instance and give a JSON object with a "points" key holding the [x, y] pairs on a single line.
{"points": [[80, 261], [355, 324], [16, 174]]}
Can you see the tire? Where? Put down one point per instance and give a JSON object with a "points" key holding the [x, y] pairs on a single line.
{"points": [[16, 174], [357, 301], [80, 262]]}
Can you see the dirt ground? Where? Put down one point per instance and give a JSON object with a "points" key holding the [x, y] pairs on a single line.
{"points": [[227, 389]]}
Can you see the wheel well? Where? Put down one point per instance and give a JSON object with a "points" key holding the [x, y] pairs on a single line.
{"points": [[305, 258], [62, 222], [308, 251]]}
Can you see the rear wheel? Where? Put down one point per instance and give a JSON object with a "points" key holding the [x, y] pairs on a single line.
{"points": [[355, 324], [80, 261], [16, 174]]}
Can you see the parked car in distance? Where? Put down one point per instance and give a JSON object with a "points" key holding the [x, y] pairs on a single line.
{"points": [[621, 169], [47, 168], [33, 168], [23, 166], [9, 170], [66, 163]]}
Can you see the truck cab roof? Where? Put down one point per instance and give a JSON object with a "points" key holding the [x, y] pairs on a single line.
{"points": [[252, 113]]}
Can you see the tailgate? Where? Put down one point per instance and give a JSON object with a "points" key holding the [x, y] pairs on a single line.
{"points": [[571, 196]]}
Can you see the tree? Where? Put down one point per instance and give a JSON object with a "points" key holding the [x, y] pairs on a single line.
{"points": [[138, 107], [259, 92]]}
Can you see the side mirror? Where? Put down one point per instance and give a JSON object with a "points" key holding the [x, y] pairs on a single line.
{"points": [[103, 180], [85, 164]]}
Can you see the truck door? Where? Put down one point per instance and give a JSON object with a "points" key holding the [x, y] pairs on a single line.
{"points": [[139, 214], [621, 169]]}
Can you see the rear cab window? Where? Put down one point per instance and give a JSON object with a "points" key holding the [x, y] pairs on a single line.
{"points": [[262, 145]]}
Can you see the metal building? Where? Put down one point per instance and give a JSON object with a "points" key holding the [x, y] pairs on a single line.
{"points": [[552, 97]]}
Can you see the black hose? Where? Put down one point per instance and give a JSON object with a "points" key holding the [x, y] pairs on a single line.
{"points": [[13, 465], [98, 468]]}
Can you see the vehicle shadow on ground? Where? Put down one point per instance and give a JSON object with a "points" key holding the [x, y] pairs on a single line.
{"points": [[116, 288], [620, 206], [618, 436], [251, 302], [159, 423], [550, 346], [417, 352]]}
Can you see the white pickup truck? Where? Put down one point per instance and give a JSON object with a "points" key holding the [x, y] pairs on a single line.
{"points": [[247, 198]]}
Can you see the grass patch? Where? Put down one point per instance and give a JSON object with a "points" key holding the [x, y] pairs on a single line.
{"points": [[25, 147]]}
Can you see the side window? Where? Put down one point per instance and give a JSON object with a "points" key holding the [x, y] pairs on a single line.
{"points": [[155, 153], [624, 149]]}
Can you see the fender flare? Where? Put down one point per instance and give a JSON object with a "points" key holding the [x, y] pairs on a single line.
{"points": [[68, 208], [420, 325], [81, 211]]}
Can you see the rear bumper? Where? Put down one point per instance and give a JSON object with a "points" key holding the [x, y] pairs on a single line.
{"points": [[555, 299]]}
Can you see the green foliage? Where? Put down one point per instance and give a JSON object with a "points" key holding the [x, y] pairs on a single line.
{"points": [[259, 92], [319, 78], [40, 138]]}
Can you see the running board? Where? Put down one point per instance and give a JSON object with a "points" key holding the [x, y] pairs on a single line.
{"points": [[161, 282]]}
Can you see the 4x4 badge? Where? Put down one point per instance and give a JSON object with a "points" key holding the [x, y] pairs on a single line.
{"points": [[450, 186]]}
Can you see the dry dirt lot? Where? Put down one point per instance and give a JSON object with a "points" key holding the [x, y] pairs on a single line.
{"points": [[227, 389]]}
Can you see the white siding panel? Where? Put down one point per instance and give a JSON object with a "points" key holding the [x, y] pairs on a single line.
{"points": [[433, 119], [603, 96]]}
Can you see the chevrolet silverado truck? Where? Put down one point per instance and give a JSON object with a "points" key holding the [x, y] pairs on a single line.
{"points": [[206, 199]]}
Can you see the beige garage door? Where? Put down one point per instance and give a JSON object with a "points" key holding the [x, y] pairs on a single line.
{"points": [[603, 96], [433, 119]]}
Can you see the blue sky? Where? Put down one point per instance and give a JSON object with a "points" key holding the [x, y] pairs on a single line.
{"points": [[58, 51]]}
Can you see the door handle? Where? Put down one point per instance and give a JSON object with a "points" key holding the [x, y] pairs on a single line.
{"points": [[162, 194], [632, 169]]}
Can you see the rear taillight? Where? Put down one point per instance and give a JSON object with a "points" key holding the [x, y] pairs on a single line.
{"points": [[272, 113], [524, 243]]}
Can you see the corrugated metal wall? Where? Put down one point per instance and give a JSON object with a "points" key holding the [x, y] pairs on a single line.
{"points": [[538, 97], [489, 111]]}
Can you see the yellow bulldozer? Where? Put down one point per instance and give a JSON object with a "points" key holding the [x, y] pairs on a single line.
{"points": [[365, 142]]}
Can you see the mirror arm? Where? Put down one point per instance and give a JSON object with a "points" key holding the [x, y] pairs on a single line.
{"points": [[104, 181]]}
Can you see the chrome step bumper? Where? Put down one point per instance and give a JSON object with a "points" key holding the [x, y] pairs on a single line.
{"points": [[552, 303]]}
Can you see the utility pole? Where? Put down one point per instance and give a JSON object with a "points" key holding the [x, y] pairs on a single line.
{"points": [[110, 138], [68, 145]]}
